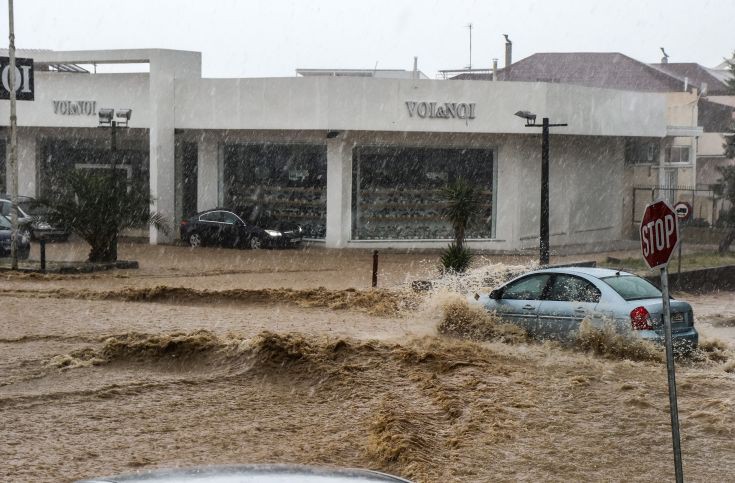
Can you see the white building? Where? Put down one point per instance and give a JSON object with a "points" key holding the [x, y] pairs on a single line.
{"points": [[358, 160]]}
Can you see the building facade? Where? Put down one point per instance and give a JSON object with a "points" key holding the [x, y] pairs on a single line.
{"points": [[359, 162]]}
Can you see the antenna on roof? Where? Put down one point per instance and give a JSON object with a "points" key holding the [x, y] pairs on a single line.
{"points": [[469, 27], [665, 58]]}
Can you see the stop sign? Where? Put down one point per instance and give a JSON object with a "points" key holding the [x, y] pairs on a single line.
{"points": [[659, 233]]}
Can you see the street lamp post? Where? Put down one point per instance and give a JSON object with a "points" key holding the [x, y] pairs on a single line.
{"points": [[107, 118], [544, 221]]}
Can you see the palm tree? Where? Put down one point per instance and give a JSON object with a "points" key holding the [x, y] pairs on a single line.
{"points": [[463, 203], [98, 206]]}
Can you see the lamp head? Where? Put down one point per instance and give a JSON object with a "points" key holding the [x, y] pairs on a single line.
{"points": [[528, 116], [123, 116], [105, 116]]}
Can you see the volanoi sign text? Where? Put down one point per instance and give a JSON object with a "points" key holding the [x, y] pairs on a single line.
{"points": [[75, 108], [441, 110]]}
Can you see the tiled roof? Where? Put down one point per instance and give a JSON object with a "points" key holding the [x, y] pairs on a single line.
{"points": [[610, 70], [472, 76], [696, 74]]}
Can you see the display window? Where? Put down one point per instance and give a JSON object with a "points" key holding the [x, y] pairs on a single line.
{"points": [[397, 191], [60, 156], [287, 181]]}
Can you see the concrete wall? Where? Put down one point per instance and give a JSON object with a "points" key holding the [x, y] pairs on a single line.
{"points": [[681, 108], [710, 144], [116, 91], [361, 104]]}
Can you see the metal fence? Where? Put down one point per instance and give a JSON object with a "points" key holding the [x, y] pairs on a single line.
{"points": [[707, 205]]}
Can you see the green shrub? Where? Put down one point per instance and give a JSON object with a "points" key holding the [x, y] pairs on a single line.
{"points": [[456, 259]]}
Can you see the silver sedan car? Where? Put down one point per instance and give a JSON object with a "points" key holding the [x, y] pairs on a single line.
{"points": [[551, 304]]}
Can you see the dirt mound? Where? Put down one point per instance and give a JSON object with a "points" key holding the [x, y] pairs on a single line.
{"points": [[607, 342], [378, 302], [464, 321]]}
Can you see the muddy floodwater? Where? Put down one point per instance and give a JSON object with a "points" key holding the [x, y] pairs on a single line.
{"points": [[167, 367]]}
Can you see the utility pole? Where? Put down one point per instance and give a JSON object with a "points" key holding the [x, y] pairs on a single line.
{"points": [[13, 143], [469, 27]]}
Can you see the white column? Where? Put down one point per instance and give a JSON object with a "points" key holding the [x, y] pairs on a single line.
{"points": [[165, 67], [161, 138], [339, 192], [27, 163], [207, 173]]}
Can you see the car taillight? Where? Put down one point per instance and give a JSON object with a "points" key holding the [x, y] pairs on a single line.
{"points": [[184, 222], [640, 319]]}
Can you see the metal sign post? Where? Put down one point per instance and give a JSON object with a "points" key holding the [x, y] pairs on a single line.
{"points": [[670, 372], [659, 233], [683, 212]]}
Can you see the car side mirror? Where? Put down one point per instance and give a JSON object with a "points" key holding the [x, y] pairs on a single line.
{"points": [[496, 294]]}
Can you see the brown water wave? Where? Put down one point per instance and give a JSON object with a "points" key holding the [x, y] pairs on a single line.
{"points": [[376, 302], [431, 409]]}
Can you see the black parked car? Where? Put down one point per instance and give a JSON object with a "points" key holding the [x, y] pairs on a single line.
{"points": [[247, 227], [24, 244], [33, 219]]}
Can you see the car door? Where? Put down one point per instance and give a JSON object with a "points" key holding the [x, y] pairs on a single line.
{"points": [[209, 226], [232, 227], [570, 299], [520, 301]]}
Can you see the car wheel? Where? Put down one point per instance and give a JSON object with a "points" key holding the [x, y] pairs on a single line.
{"points": [[255, 243], [195, 240]]}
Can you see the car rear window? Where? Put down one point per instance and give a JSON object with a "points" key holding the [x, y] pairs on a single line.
{"points": [[631, 287], [33, 208]]}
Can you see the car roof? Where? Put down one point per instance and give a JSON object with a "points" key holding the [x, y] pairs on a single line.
{"points": [[592, 271], [255, 474]]}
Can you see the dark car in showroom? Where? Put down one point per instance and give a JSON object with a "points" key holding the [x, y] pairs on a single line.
{"points": [[6, 236], [33, 219], [247, 227]]}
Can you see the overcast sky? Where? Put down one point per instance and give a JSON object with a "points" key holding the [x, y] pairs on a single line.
{"points": [[249, 38]]}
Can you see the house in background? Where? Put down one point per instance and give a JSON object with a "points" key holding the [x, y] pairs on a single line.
{"points": [[682, 166]]}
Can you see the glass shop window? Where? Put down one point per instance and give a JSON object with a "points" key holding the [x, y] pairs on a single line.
{"points": [[397, 191]]}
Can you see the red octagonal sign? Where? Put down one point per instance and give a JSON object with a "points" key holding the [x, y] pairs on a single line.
{"points": [[659, 233]]}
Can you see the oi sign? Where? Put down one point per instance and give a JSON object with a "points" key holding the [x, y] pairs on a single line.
{"points": [[23, 79], [659, 233]]}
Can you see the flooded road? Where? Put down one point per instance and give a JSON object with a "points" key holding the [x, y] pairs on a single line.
{"points": [[94, 382]]}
